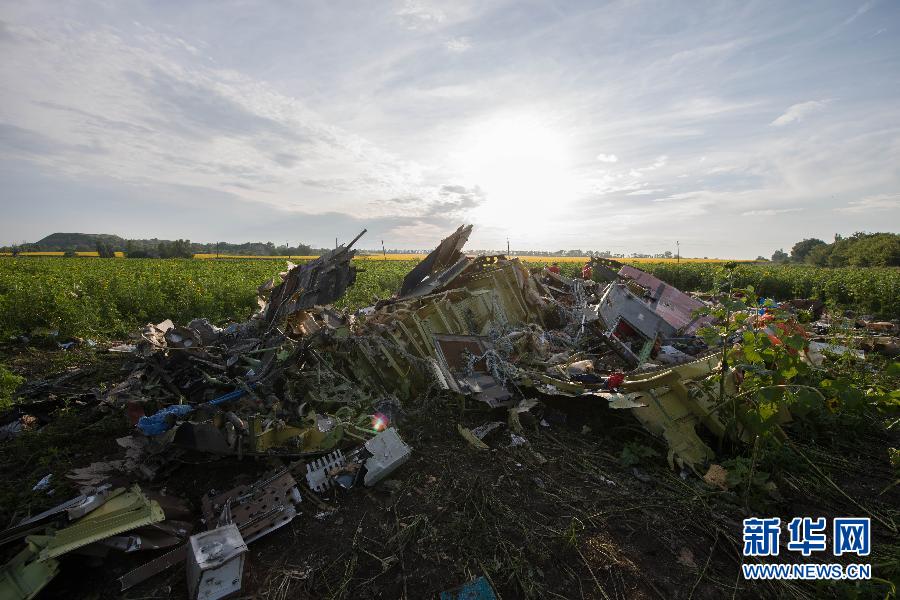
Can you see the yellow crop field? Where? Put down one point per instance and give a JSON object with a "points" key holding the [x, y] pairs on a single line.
{"points": [[90, 254], [582, 259], [244, 256]]}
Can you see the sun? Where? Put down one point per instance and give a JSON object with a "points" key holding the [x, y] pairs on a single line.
{"points": [[522, 163]]}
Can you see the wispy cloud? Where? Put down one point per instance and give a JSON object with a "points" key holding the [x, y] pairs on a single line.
{"points": [[420, 14], [798, 112], [769, 212], [876, 203], [608, 158], [863, 9], [458, 44]]}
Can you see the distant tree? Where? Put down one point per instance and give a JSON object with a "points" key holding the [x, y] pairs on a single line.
{"points": [[182, 249], [858, 250], [135, 249], [875, 250], [105, 250], [762, 259], [820, 255], [802, 249], [780, 256]]}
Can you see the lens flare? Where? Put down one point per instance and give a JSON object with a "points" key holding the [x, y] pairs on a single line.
{"points": [[379, 422]]}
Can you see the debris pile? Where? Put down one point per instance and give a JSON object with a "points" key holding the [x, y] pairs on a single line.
{"points": [[324, 391]]}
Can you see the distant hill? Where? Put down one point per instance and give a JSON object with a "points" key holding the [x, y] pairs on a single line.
{"points": [[144, 248], [79, 242]]}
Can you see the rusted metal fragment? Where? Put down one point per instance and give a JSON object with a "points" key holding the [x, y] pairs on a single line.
{"points": [[154, 567], [257, 508]]}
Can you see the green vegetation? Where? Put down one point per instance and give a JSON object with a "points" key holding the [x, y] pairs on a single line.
{"points": [[102, 298], [8, 384], [107, 244], [88, 297], [874, 290], [858, 250]]}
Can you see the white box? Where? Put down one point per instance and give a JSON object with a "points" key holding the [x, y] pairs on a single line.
{"points": [[215, 563]]}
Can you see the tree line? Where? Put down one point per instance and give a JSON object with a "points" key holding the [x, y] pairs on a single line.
{"points": [[858, 250], [107, 245]]}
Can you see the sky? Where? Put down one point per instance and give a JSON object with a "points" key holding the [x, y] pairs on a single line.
{"points": [[731, 128]]}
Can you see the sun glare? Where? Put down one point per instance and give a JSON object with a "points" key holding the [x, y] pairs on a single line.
{"points": [[522, 164]]}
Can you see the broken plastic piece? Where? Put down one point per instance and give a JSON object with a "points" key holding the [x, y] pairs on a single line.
{"points": [[43, 484], [317, 471], [159, 423], [480, 589]]}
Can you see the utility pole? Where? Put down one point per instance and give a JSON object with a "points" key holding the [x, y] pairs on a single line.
{"points": [[677, 252], [507, 246], [383, 251]]}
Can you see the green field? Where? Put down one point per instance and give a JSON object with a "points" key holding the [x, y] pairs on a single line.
{"points": [[89, 297]]}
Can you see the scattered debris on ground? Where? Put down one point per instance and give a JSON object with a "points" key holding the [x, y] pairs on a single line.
{"points": [[315, 408]]}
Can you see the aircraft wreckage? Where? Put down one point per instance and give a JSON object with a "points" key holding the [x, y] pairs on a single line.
{"points": [[303, 380], [484, 327]]}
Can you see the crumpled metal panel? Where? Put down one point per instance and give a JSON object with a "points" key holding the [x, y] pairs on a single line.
{"points": [[676, 404], [671, 304], [25, 575], [447, 253], [321, 281], [620, 303], [397, 341], [120, 513]]}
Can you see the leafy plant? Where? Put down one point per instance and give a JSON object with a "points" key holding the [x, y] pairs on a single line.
{"points": [[634, 453], [8, 383]]}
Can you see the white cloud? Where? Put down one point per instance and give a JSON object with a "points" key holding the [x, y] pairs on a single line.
{"points": [[644, 192], [798, 112], [878, 202], [458, 44], [147, 117], [608, 158], [769, 212], [420, 14]]}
